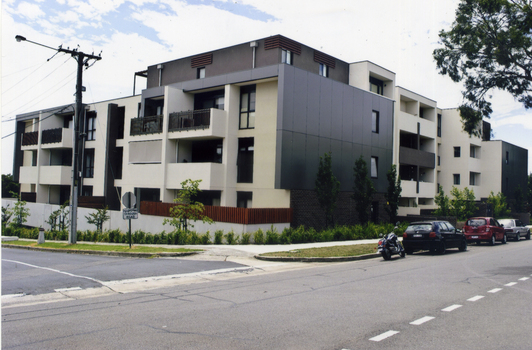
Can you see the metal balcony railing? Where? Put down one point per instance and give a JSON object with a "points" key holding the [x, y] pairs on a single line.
{"points": [[30, 138], [147, 125], [190, 120], [52, 135]]}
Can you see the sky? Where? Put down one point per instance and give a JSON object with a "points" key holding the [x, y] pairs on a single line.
{"points": [[132, 35]]}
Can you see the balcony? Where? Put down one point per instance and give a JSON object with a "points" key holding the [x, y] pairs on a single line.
{"points": [[198, 123], [30, 138], [211, 174], [55, 175], [57, 138], [28, 175], [146, 125], [416, 157]]}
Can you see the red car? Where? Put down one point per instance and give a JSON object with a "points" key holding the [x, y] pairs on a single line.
{"points": [[484, 229]]}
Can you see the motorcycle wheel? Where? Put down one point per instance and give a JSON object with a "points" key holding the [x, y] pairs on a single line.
{"points": [[386, 254], [402, 254]]}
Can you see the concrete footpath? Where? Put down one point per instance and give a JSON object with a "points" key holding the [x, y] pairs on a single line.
{"points": [[241, 253]]}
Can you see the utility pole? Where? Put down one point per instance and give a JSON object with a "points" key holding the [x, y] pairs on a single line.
{"points": [[83, 61]]}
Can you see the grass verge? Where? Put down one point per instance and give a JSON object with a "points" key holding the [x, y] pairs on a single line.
{"points": [[103, 247], [336, 251]]}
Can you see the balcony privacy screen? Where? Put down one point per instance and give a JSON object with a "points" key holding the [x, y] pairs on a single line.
{"points": [[145, 151]]}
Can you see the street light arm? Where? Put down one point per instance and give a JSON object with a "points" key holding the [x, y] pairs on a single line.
{"points": [[20, 38]]}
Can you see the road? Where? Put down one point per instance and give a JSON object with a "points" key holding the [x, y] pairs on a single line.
{"points": [[479, 299]]}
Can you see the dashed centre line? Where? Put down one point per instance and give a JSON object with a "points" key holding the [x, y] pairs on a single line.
{"points": [[475, 298], [524, 278], [421, 320], [451, 308], [384, 335], [510, 284], [495, 290]]}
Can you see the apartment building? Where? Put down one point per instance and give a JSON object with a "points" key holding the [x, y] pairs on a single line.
{"points": [[251, 121]]}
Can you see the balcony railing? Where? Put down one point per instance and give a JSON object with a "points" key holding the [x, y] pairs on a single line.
{"points": [[30, 138], [147, 125], [52, 135], [198, 119]]}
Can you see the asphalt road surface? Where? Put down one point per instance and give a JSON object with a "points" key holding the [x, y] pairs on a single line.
{"points": [[479, 299]]}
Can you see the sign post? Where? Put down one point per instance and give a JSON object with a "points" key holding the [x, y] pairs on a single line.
{"points": [[129, 200]]}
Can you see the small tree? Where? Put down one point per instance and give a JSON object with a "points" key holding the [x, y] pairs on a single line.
{"points": [[393, 194], [186, 208], [327, 188], [463, 204], [10, 188], [498, 205], [443, 203], [60, 218], [364, 190], [20, 213], [98, 218], [6, 216]]}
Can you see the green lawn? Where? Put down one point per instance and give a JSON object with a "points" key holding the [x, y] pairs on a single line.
{"points": [[337, 251], [103, 247]]}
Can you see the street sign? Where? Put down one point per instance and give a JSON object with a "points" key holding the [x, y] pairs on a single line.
{"points": [[129, 200], [130, 213]]}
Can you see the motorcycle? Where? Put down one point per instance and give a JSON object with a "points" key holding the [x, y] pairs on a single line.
{"points": [[389, 245]]}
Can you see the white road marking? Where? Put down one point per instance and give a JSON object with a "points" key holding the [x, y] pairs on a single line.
{"points": [[495, 290], [422, 320], [59, 290], [524, 278], [475, 298], [54, 270], [384, 335], [451, 308], [18, 295], [510, 284]]}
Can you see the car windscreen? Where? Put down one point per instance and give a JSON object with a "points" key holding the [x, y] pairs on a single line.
{"points": [[506, 223], [476, 222], [419, 227]]}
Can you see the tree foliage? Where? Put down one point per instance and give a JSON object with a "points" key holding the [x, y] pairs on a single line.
{"points": [[488, 47], [60, 219], [186, 208], [393, 194], [327, 188], [364, 190], [10, 188], [462, 203], [498, 205], [443, 203], [98, 218]]}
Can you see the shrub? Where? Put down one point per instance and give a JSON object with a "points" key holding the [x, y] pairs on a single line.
{"points": [[205, 238], [258, 237], [245, 238], [272, 236], [230, 238], [218, 236]]}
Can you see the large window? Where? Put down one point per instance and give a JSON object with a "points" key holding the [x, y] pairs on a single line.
{"points": [[88, 165], [247, 107], [374, 167], [376, 86], [91, 128], [245, 160], [375, 122]]}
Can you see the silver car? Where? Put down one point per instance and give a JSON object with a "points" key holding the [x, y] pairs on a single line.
{"points": [[515, 228]]}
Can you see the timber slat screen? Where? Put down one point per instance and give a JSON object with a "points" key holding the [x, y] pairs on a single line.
{"points": [[94, 202], [52, 135], [245, 216], [30, 138]]}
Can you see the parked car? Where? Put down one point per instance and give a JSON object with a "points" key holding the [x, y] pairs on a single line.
{"points": [[515, 228], [484, 229], [435, 236]]}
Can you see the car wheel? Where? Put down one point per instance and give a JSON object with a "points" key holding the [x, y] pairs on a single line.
{"points": [[504, 239], [518, 236], [402, 254], [492, 242], [441, 248], [463, 246], [528, 235]]}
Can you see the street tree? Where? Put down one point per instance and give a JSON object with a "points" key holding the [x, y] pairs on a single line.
{"points": [[364, 190], [462, 203], [393, 194], [443, 203], [10, 188], [498, 205], [327, 188], [187, 208], [98, 218], [489, 46]]}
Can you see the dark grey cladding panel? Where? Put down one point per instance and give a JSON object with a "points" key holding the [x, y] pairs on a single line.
{"points": [[301, 96], [336, 110], [348, 115], [312, 156], [313, 105], [336, 153], [284, 177], [366, 118], [358, 112], [325, 99], [288, 102], [347, 161]]}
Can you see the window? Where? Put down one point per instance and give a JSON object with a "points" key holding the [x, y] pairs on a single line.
{"points": [[472, 151], [439, 161], [247, 107], [91, 128], [86, 191], [324, 70], [375, 122], [244, 199], [286, 56], [88, 165], [456, 179], [439, 125], [33, 158], [244, 160], [457, 152], [200, 73], [507, 158], [472, 178], [376, 86], [374, 166]]}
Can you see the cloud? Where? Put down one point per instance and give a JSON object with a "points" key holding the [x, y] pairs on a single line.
{"points": [[30, 11]]}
